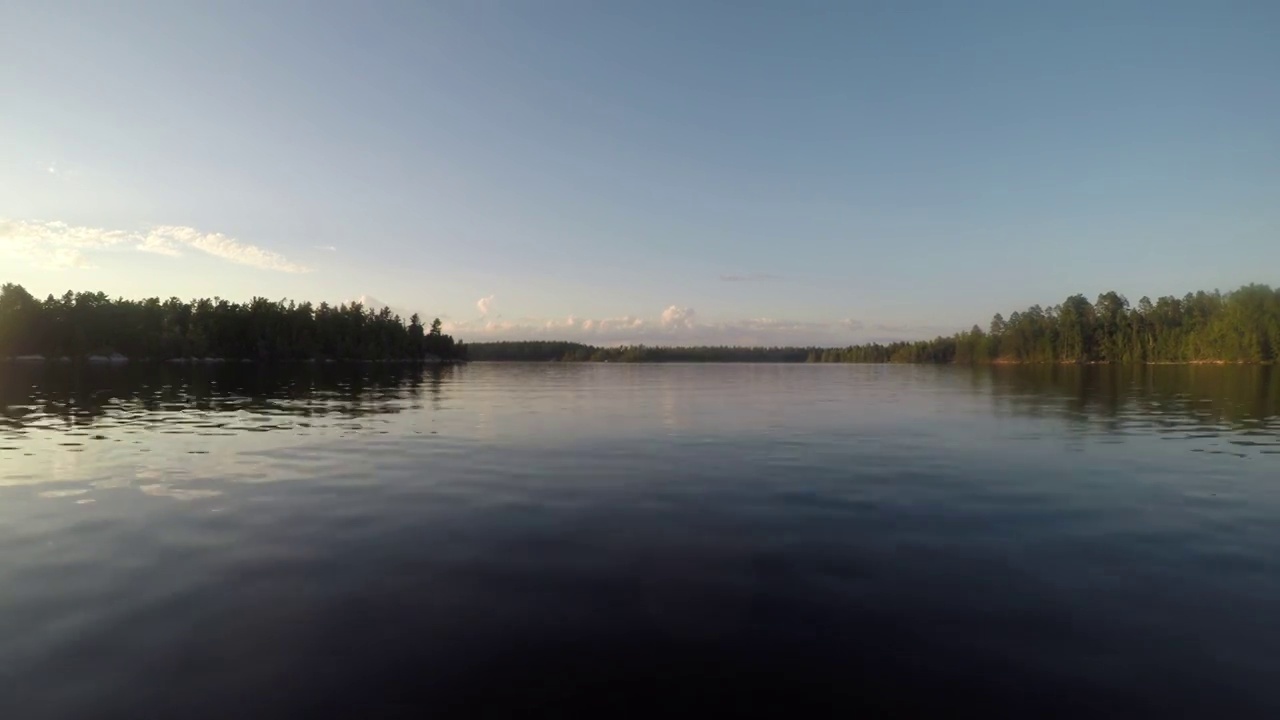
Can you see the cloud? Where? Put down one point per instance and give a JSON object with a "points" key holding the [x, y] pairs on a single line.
{"points": [[368, 302], [326, 248], [751, 277], [485, 304], [55, 244], [59, 245], [677, 317], [680, 326], [218, 245], [159, 245]]}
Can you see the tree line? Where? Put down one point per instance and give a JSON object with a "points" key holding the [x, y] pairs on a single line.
{"points": [[1239, 326], [79, 325]]}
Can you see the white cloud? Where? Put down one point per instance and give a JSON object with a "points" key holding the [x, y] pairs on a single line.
{"points": [[485, 304], [677, 317], [55, 244], [221, 246], [159, 245], [326, 248], [59, 245], [368, 302], [373, 304]]}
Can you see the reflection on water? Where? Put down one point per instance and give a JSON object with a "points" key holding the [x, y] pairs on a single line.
{"points": [[50, 414], [374, 541], [1239, 404], [50, 396], [1235, 396], [1228, 409], [47, 414]]}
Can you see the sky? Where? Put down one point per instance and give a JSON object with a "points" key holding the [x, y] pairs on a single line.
{"points": [[661, 172]]}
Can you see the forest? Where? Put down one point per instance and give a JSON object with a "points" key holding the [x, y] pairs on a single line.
{"points": [[87, 324], [1240, 326]]}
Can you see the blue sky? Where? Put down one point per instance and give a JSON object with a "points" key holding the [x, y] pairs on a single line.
{"points": [[661, 171]]}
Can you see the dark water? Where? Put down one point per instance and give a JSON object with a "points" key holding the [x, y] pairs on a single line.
{"points": [[496, 540]]}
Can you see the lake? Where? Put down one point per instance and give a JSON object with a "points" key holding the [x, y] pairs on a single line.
{"points": [[496, 539]]}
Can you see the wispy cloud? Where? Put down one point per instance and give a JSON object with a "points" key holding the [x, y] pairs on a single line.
{"points": [[59, 245], [485, 304], [55, 244], [326, 248], [159, 245], [751, 277], [167, 240]]}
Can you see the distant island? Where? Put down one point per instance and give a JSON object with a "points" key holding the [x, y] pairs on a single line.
{"points": [[95, 328], [1237, 327]]}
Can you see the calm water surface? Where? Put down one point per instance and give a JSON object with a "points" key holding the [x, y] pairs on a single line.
{"points": [[497, 539]]}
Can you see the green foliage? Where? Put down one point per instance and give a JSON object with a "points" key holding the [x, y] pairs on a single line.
{"points": [[81, 324], [1242, 326]]}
